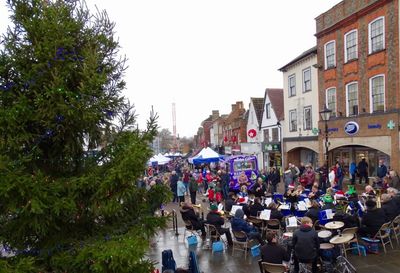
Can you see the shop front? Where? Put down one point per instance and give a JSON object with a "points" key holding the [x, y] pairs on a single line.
{"points": [[355, 153], [373, 137], [272, 155]]}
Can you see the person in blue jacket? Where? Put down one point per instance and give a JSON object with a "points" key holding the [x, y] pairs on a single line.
{"points": [[353, 171], [239, 224]]}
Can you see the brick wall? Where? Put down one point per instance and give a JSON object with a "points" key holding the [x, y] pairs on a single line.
{"points": [[332, 25]]}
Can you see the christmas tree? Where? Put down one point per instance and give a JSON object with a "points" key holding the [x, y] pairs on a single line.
{"points": [[70, 151]]}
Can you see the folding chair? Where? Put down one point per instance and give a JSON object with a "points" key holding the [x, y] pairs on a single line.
{"points": [[352, 231], [213, 234], [395, 228], [240, 242], [272, 268], [384, 233]]}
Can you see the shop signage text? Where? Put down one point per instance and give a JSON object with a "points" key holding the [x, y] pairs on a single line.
{"points": [[374, 126]]}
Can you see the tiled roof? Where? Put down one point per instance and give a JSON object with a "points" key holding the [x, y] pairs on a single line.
{"points": [[303, 55], [258, 104], [276, 97]]}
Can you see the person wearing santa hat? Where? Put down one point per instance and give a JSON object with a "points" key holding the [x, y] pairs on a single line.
{"points": [[215, 219]]}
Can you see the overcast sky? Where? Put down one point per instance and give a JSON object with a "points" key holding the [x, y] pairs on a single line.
{"points": [[205, 55]]}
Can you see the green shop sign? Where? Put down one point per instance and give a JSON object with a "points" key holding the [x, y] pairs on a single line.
{"points": [[270, 147]]}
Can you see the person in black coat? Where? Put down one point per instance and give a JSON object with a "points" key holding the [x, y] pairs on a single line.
{"points": [[306, 245], [275, 213], [362, 169], [215, 219], [389, 207], [272, 252], [173, 184], [274, 177], [256, 207], [313, 212], [188, 214], [372, 220]]}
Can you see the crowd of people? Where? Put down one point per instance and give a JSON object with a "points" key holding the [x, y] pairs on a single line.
{"points": [[368, 211]]}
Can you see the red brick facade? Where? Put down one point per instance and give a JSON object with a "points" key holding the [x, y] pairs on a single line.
{"points": [[375, 130]]}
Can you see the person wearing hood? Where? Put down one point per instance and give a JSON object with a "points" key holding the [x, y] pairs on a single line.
{"points": [[306, 245], [372, 220], [239, 224]]}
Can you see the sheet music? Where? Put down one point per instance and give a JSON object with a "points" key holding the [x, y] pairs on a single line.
{"points": [[220, 207], [234, 209], [268, 201], [308, 202], [265, 214], [292, 221], [329, 214], [302, 206], [284, 206]]}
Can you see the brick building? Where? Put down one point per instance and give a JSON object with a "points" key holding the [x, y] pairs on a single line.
{"points": [[358, 79], [234, 128]]}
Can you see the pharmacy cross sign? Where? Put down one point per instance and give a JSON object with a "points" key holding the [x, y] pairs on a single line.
{"points": [[391, 125]]}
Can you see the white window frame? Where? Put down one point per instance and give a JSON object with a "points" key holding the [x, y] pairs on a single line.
{"points": [[290, 120], [304, 115], [266, 135], [276, 131], [334, 111], [346, 59], [370, 38], [371, 104], [334, 54], [293, 76], [347, 99], [268, 110], [304, 82]]}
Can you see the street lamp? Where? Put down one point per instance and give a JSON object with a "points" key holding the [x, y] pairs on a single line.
{"points": [[325, 115]]}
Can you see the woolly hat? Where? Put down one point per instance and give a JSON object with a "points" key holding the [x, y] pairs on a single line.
{"points": [[239, 214], [213, 207], [327, 198], [370, 204]]}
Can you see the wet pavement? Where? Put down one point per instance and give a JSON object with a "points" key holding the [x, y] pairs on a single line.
{"points": [[221, 262]]}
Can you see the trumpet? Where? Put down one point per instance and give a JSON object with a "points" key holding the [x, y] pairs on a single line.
{"points": [[197, 206]]}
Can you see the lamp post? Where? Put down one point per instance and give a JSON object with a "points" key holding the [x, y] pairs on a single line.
{"points": [[325, 115]]}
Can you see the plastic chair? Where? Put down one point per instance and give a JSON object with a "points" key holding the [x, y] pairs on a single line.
{"points": [[352, 231], [384, 233]]}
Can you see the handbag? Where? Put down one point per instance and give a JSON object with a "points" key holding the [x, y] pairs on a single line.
{"points": [[255, 251], [217, 246], [192, 240]]}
